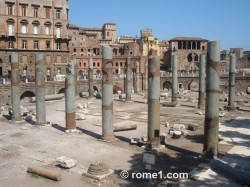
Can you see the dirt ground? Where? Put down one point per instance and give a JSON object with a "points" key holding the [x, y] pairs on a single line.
{"points": [[23, 144]]}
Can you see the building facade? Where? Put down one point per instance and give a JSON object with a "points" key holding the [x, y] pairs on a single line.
{"points": [[87, 43], [31, 27], [188, 50]]}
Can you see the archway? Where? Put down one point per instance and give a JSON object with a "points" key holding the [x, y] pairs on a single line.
{"points": [[193, 86], [62, 90], [1, 67], [26, 96], [167, 85], [95, 88], [80, 73]]}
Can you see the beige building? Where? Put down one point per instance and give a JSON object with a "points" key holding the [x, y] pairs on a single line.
{"points": [[30, 27], [163, 47], [188, 50], [147, 42]]}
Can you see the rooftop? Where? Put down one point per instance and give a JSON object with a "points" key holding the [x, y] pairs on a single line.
{"points": [[188, 39]]}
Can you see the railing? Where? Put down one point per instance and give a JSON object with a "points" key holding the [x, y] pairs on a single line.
{"points": [[61, 36], [8, 34]]}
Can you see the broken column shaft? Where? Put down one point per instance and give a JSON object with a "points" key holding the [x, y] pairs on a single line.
{"points": [[174, 79], [128, 80], [231, 88], [70, 85], [154, 98], [90, 72], [15, 90], [40, 90], [107, 94], [211, 127], [201, 101]]}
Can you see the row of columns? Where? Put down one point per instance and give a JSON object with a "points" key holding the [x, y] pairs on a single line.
{"points": [[210, 148]]}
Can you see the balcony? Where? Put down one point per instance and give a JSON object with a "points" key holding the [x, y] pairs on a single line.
{"points": [[61, 37], [8, 34]]}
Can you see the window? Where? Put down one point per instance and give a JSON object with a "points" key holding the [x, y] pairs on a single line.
{"points": [[24, 44], [24, 29], [48, 44], [11, 44], [47, 12], [58, 45], [35, 29], [48, 71], [47, 30], [36, 44], [10, 9], [10, 29], [107, 33], [23, 10], [35, 12], [58, 14], [58, 32], [74, 49]]}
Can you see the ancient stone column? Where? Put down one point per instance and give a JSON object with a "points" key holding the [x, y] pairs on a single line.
{"points": [[154, 98], [75, 74], [137, 77], [107, 94], [211, 127], [231, 88], [146, 76], [174, 79], [40, 90], [70, 85], [15, 90], [90, 72], [128, 80], [201, 100]]}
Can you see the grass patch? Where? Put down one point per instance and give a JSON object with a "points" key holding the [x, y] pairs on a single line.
{"points": [[34, 176]]}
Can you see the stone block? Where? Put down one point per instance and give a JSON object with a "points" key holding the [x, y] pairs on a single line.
{"points": [[65, 162]]}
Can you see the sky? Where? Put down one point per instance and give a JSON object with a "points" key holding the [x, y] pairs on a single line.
{"points": [[224, 20]]}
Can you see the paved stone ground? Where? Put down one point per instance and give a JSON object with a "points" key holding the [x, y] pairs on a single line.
{"points": [[24, 144]]}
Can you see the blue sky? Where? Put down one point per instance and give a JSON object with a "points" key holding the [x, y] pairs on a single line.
{"points": [[224, 20]]}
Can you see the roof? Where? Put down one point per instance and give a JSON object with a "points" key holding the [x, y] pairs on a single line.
{"points": [[72, 26], [188, 39]]}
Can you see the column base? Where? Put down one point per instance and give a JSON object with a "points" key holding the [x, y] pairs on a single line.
{"points": [[231, 108], [108, 137], [72, 131], [42, 123]]}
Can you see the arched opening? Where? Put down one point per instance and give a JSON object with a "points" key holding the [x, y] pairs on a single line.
{"points": [[167, 85], [114, 51], [189, 57], [80, 73], [193, 86], [25, 97], [121, 51], [62, 90], [1, 67], [95, 88], [196, 57], [98, 72]]}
